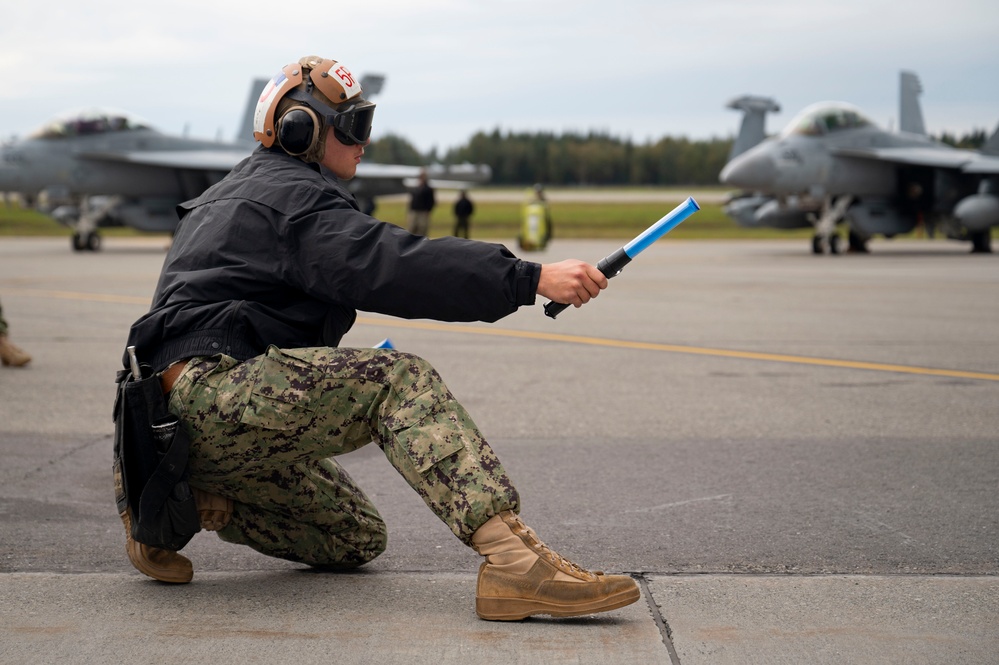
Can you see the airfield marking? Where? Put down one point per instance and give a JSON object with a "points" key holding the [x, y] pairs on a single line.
{"points": [[579, 339], [675, 348], [77, 295]]}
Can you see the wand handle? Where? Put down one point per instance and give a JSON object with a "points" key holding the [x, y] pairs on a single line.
{"points": [[610, 266]]}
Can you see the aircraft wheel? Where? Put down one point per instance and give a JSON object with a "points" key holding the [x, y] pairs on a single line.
{"points": [[981, 242], [834, 244], [93, 242], [858, 245], [78, 242], [817, 245]]}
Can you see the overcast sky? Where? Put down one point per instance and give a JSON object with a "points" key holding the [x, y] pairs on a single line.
{"points": [[642, 69]]}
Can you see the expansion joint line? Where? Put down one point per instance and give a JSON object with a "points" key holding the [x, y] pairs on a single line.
{"points": [[657, 616]]}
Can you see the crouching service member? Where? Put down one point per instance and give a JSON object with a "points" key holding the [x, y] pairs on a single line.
{"points": [[265, 275]]}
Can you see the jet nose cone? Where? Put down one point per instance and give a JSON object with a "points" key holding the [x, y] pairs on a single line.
{"points": [[751, 170]]}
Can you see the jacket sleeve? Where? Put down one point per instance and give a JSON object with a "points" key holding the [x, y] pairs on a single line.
{"points": [[341, 255]]}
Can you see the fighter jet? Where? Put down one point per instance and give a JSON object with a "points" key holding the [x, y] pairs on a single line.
{"points": [[831, 164], [104, 167]]}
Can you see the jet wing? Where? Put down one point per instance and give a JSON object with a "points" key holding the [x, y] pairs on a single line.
{"points": [[962, 160], [381, 179], [447, 175], [193, 160], [440, 177], [387, 171], [983, 164]]}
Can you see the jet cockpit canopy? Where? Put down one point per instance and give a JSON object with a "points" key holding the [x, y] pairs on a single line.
{"points": [[89, 121], [825, 118]]}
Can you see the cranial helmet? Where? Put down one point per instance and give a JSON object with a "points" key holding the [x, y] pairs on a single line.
{"points": [[305, 100]]}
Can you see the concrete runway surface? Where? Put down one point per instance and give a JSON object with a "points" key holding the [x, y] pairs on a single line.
{"points": [[797, 456]]}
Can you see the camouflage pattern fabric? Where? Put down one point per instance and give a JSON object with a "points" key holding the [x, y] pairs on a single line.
{"points": [[3, 323], [264, 432]]}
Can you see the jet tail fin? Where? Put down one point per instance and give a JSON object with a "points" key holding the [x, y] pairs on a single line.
{"points": [[371, 85], [991, 146], [245, 133], [752, 130], [910, 115]]}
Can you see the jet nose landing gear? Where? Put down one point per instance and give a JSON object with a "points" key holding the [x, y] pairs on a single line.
{"points": [[85, 217], [85, 241]]}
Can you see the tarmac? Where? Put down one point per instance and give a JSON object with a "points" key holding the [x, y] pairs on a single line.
{"points": [[796, 457]]}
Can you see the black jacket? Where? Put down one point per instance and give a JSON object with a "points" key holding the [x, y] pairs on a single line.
{"points": [[463, 207], [423, 199], [278, 253]]}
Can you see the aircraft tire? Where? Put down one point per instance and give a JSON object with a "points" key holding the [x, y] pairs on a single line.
{"points": [[817, 245], [78, 243], [858, 245], [93, 242], [834, 244], [981, 242]]}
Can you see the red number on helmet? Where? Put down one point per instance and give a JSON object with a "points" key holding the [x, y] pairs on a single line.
{"points": [[345, 76]]}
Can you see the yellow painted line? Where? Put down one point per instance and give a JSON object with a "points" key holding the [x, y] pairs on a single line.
{"points": [[577, 339], [674, 348], [77, 295]]}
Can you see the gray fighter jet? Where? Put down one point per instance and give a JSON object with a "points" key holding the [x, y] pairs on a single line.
{"points": [[831, 165], [102, 167]]}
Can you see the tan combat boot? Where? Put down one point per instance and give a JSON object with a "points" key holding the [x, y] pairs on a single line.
{"points": [[12, 355], [522, 576], [214, 511], [162, 565]]}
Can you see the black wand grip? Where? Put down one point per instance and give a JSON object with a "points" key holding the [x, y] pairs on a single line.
{"points": [[553, 308], [611, 265]]}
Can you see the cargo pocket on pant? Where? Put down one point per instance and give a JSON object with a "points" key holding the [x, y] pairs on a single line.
{"points": [[278, 395], [427, 434]]}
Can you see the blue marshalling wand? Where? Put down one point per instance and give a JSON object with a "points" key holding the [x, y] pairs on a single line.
{"points": [[613, 263]]}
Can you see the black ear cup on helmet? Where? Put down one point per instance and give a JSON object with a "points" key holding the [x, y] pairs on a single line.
{"points": [[298, 130]]}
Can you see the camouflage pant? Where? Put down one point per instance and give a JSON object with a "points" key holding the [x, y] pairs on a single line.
{"points": [[264, 431]]}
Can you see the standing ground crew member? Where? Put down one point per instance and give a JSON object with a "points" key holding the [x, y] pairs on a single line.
{"points": [[264, 277], [421, 204], [463, 209], [536, 225]]}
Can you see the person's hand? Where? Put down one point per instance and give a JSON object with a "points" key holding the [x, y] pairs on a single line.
{"points": [[572, 282]]}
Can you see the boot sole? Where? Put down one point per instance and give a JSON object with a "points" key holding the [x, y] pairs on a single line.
{"points": [[159, 573], [515, 609]]}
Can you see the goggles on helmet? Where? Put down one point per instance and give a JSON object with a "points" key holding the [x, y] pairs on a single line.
{"points": [[352, 126], [351, 121]]}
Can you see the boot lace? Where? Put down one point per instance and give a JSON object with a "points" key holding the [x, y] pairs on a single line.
{"points": [[553, 557]]}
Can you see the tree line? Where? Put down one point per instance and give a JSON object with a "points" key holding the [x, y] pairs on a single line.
{"points": [[574, 159], [972, 141], [521, 158]]}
